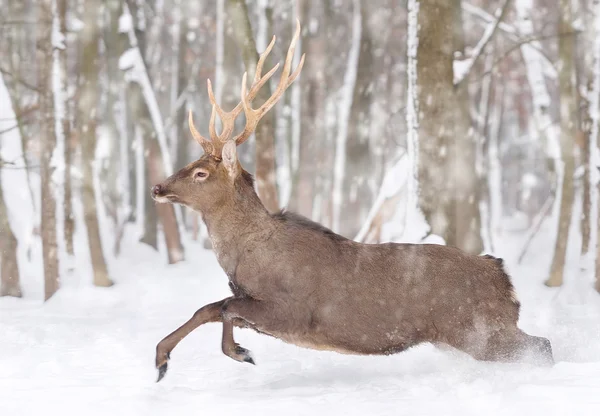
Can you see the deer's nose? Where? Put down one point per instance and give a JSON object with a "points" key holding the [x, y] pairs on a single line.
{"points": [[156, 190]]}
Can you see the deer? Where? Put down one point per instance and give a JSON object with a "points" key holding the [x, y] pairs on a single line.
{"points": [[298, 281]]}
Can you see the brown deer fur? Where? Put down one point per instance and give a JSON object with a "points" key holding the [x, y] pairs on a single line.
{"points": [[300, 282]]}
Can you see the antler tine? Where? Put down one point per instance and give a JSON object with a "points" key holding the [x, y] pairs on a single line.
{"points": [[203, 141], [285, 80], [227, 118], [296, 72], [211, 124], [261, 61], [253, 116]]}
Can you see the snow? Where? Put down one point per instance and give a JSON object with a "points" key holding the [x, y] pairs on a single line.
{"points": [[91, 351], [461, 68], [393, 182], [125, 23]]}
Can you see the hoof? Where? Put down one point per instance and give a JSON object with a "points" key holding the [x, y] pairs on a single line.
{"points": [[244, 355], [162, 370]]}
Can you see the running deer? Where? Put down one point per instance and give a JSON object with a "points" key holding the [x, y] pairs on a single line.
{"points": [[298, 281]]}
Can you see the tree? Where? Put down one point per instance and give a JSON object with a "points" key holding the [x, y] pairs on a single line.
{"points": [[153, 141], [265, 132], [313, 96], [48, 140], [448, 182], [9, 267], [358, 194], [568, 133], [63, 101], [116, 188], [87, 113]]}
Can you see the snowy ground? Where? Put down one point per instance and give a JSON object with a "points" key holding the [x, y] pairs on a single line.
{"points": [[90, 352]]}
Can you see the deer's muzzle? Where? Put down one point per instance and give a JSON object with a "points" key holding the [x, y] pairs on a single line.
{"points": [[160, 193], [156, 190]]}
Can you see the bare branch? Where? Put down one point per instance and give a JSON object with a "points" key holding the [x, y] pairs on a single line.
{"points": [[485, 40], [517, 46], [512, 32], [20, 80], [9, 129]]}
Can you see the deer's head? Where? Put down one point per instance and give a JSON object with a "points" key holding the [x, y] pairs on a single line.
{"points": [[210, 181]]}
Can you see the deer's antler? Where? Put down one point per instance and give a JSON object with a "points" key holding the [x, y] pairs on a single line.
{"points": [[215, 145]]}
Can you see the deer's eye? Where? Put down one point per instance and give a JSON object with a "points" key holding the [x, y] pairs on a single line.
{"points": [[201, 174]]}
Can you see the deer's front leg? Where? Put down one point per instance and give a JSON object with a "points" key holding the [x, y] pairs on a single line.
{"points": [[206, 314], [235, 311]]}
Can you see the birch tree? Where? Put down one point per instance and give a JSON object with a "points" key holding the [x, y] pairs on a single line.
{"points": [[568, 132], [62, 102], [87, 108], [116, 187], [48, 140]]}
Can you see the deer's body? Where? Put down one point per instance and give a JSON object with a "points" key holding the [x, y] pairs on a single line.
{"points": [[323, 291], [296, 280]]}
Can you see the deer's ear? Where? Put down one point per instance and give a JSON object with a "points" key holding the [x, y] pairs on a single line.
{"points": [[229, 156]]}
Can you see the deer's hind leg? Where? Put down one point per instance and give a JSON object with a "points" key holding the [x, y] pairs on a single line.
{"points": [[250, 313]]}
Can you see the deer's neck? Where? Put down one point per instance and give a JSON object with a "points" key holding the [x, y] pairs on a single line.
{"points": [[236, 224]]}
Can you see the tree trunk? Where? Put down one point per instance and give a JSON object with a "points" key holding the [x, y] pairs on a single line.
{"points": [[9, 267], [568, 132], [313, 96], [449, 195], [180, 128], [48, 207], [87, 118], [150, 223], [68, 220], [357, 192], [182, 149], [266, 184], [115, 185], [146, 208], [166, 213], [597, 284], [586, 204], [154, 170]]}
